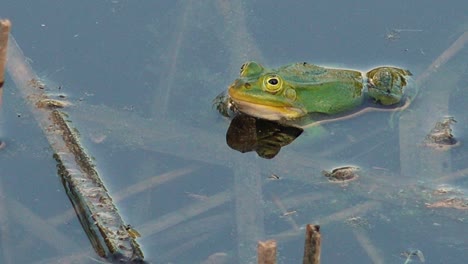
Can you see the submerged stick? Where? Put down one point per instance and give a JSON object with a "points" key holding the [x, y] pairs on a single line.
{"points": [[173, 218], [97, 213], [372, 251], [266, 252], [128, 191], [359, 209], [5, 236], [249, 208], [313, 240], [414, 159], [444, 57]]}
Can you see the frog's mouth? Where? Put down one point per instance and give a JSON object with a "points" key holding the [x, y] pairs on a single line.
{"points": [[267, 111], [262, 108]]}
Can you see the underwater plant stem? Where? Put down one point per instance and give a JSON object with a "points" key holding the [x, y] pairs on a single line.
{"points": [[371, 250], [284, 212], [444, 57], [249, 207], [5, 228], [415, 160], [171, 219]]}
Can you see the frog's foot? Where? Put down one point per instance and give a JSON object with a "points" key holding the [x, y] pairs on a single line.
{"points": [[386, 84], [223, 104]]}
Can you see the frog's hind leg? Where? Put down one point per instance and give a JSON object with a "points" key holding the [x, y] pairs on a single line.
{"points": [[386, 84]]}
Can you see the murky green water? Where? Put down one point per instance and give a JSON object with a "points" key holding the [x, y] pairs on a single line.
{"points": [[142, 77]]}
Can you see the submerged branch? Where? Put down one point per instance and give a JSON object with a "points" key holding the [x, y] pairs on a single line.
{"points": [[97, 213]]}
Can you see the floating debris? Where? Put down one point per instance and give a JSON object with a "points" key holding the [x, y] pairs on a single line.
{"points": [[132, 231], [342, 174], [409, 254], [273, 177], [394, 34], [289, 213], [441, 137], [52, 103], [446, 189], [36, 83], [357, 221], [454, 202], [198, 197]]}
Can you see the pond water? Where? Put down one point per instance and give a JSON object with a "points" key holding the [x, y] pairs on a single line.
{"points": [[142, 77]]}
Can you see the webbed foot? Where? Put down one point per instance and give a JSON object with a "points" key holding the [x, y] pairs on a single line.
{"points": [[386, 84], [224, 105]]}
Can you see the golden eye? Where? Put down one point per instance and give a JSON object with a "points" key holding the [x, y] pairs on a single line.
{"points": [[273, 83]]}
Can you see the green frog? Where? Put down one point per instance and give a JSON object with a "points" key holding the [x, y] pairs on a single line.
{"points": [[296, 90]]}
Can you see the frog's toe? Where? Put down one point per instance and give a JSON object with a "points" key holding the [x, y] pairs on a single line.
{"points": [[386, 84]]}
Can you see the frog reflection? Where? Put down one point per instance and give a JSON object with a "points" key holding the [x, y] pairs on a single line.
{"points": [[247, 133]]}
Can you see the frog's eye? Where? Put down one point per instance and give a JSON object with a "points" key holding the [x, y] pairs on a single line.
{"points": [[273, 83]]}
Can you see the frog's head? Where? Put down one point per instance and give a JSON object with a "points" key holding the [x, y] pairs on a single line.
{"points": [[264, 93]]}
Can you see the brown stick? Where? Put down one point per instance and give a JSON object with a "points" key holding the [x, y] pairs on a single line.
{"points": [[139, 187], [94, 206], [312, 245], [5, 26], [266, 252]]}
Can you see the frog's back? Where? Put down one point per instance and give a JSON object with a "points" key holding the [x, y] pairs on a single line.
{"points": [[306, 73], [324, 90]]}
